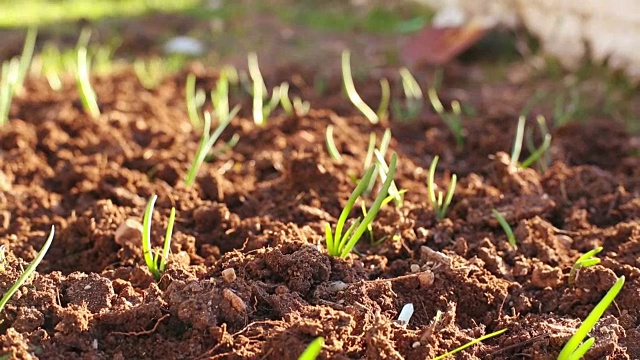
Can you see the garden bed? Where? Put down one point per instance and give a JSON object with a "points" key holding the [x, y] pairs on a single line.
{"points": [[261, 208]]}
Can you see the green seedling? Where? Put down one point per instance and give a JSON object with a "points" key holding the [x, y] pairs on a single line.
{"points": [[545, 159], [150, 72], [453, 118], [371, 149], [385, 98], [470, 343], [440, 205], [517, 146], [3, 258], [331, 145], [413, 95], [584, 261], [285, 102], [207, 141], [313, 349], [195, 99], [339, 245], [26, 57], [157, 262], [394, 193], [8, 82], [574, 349], [14, 72], [52, 66], [87, 95], [352, 93], [301, 107], [30, 269], [259, 89], [505, 226]]}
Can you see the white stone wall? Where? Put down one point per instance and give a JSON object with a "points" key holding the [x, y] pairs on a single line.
{"points": [[569, 29]]}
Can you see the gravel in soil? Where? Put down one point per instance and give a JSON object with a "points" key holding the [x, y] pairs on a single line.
{"points": [[249, 276]]}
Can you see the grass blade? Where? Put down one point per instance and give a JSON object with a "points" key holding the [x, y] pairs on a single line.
{"points": [[574, 343], [313, 349], [352, 92], [30, 269], [470, 343]]}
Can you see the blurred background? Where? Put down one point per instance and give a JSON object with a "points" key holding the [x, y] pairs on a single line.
{"points": [[578, 59]]}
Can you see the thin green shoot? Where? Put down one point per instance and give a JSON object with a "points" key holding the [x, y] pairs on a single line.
{"points": [[192, 101], [30, 269], [207, 141], [372, 239], [150, 72], [301, 107], [453, 118], [397, 195], [440, 205], [372, 146], [313, 349], [586, 260], [543, 163], [157, 262], [26, 57], [87, 95], [285, 102], [220, 97], [384, 146], [52, 66], [575, 348], [505, 227], [470, 343], [331, 145], [259, 89], [517, 147], [350, 87], [84, 38], [7, 87], [339, 245], [413, 94], [385, 98], [517, 144], [3, 258], [230, 144]]}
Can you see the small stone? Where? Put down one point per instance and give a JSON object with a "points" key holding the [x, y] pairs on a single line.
{"points": [[415, 268], [229, 275], [129, 232], [426, 278], [415, 345], [236, 301], [336, 286]]}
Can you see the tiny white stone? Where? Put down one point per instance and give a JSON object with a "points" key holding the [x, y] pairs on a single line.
{"points": [[184, 45], [94, 344], [415, 268], [336, 286], [87, 287]]}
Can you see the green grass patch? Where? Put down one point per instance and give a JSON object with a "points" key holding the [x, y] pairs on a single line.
{"points": [[40, 12]]}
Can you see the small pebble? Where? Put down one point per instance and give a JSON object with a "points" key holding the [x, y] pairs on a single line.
{"points": [[236, 301], [426, 278], [229, 275], [129, 232], [336, 286], [415, 268]]}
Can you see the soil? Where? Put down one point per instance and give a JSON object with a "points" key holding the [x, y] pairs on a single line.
{"points": [[260, 209]]}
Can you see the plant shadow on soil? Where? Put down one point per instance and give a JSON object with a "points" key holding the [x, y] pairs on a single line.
{"points": [[260, 209]]}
